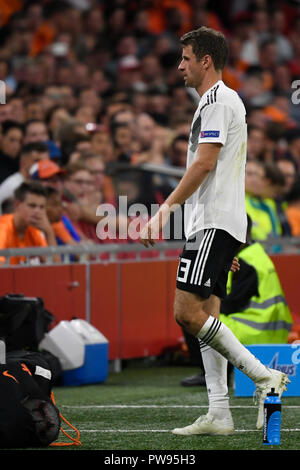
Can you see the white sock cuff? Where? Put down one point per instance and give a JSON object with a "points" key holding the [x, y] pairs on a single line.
{"points": [[209, 329]]}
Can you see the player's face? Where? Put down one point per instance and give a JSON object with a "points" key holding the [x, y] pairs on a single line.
{"points": [[191, 68]]}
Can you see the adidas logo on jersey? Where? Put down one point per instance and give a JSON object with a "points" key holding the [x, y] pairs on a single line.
{"points": [[207, 283]]}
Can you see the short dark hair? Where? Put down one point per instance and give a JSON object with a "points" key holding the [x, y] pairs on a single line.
{"points": [[273, 173], [6, 126], [32, 187], [50, 191], [55, 7], [179, 138], [40, 147], [207, 41]]}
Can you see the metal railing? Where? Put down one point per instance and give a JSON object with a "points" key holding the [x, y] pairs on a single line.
{"points": [[91, 253], [85, 253]]}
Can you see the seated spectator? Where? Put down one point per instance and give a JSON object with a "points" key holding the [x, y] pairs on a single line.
{"points": [[104, 189], [34, 109], [264, 184], [6, 113], [30, 154], [275, 195], [152, 141], [256, 143], [55, 14], [124, 143], [101, 143], [85, 114], [17, 109], [293, 209], [254, 90], [274, 142], [10, 146], [64, 230], [55, 117], [279, 110], [145, 131], [79, 199], [256, 116], [81, 203], [48, 173], [178, 150], [233, 73], [177, 156], [28, 225], [35, 131], [72, 148], [293, 150], [288, 169]]}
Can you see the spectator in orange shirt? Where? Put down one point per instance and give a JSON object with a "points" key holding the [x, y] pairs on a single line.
{"points": [[28, 225], [57, 15]]}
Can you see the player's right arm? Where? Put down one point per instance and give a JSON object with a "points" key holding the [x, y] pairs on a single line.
{"points": [[195, 175], [205, 162]]}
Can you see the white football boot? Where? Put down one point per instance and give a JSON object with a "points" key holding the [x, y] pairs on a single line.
{"points": [[207, 424]]}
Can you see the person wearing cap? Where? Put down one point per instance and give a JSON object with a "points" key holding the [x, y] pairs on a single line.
{"points": [[51, 176], [48, 173]]}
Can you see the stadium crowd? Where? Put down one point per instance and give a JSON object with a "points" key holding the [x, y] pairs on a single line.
{"points": [[92, 90]]}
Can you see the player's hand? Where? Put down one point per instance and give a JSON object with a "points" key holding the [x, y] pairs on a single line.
{"points": [[147, 236], [151, 231], [235, 265]]}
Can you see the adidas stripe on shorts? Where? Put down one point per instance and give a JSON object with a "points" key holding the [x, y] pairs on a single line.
{"points": [[205, 262]]}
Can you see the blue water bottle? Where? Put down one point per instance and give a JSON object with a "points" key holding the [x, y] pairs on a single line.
{"points": [[272, 419]]}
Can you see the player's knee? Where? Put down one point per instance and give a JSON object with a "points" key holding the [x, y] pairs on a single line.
{"points": [[188, 314], [181, 318], [186, 320]]}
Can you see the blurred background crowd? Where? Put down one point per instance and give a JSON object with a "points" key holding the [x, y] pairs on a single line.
{"points": [[92, 91]]}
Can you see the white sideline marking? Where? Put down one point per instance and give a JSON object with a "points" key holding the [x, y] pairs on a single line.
{"points": [[162, 406], [167, 430]]}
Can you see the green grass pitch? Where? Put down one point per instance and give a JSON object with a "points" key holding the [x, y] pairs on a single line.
{"points": [[136, 409]]}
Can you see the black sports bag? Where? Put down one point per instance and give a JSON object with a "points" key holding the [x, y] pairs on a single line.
{"points": [[23, 321], [28, 417]]}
